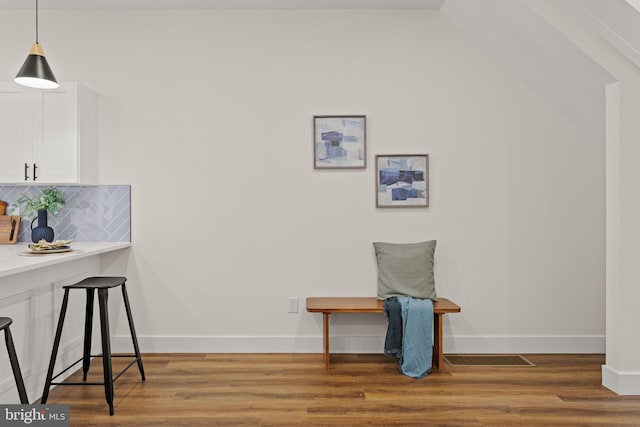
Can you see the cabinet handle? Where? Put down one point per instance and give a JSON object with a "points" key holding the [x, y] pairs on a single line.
{"points": [[34, 171], [26, 172]]}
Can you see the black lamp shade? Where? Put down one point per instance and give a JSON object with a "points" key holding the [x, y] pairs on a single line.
{"points": [[35, 72]]}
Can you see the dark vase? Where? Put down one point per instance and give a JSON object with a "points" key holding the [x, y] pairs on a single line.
{"points": [[42, 231]]}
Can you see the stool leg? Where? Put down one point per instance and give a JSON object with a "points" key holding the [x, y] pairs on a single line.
{"points": [[54, 351], [15, 366], [88, 329], [127, 307], [103, 295]]}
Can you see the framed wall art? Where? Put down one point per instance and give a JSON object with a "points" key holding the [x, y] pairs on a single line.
{"points": [[339, 142], [402, 180]]}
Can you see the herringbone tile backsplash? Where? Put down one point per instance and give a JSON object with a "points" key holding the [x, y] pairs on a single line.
{"points": [[100, 213]]}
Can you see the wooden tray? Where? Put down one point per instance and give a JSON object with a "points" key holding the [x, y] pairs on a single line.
{"points": [[9, 228]]}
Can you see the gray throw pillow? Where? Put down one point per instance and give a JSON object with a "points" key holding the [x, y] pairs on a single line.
{"points": [[405, 269]]}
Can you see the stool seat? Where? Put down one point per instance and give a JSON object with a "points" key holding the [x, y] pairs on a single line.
{"points": [[97, 283], [102, 286], [13, 359], [5, 322]]}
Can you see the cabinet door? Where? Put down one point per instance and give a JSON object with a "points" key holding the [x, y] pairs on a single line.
{"points": [[16, 133], [55, 148]]}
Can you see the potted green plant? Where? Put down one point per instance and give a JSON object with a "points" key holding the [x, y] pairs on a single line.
{"points": [[49, 200]]}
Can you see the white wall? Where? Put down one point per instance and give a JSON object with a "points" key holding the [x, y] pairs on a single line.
{"points": [[588, 26], [208, 115]]}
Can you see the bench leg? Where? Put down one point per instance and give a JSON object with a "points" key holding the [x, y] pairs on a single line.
{"points": [[325, 321], [438, 358]]}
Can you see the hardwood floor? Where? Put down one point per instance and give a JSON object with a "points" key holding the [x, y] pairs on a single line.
{"points": [[359, 390]]}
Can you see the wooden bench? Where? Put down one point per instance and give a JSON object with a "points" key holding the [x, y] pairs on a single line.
{"points": [[328, 305]]}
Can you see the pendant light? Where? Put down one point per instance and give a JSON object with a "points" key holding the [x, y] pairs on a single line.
{"points": [[35, 71]]}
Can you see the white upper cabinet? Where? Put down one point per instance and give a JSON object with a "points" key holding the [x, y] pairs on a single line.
{"points": [[16, 128], [48, 136]]}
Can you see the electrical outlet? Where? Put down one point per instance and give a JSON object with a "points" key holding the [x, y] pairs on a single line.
{"points": [[293, 304]]}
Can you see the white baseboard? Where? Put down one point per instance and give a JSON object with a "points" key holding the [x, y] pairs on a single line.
{"points": [[625, 383], [357, 344], [579, 344]]}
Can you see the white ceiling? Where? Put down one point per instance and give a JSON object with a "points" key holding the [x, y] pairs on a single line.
{"points": [[223, 4]]}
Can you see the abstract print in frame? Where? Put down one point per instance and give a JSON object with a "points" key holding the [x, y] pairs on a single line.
{"points": [[339, 142], [402, 180]]}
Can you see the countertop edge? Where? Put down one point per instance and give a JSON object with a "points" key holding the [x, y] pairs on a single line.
{"points": [[12, 263]]}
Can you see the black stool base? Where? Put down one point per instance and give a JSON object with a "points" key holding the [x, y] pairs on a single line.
{"points": [[102, 285], [13, 359]]}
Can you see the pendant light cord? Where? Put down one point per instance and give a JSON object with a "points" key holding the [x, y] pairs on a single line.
{"points": [[36, 21]]}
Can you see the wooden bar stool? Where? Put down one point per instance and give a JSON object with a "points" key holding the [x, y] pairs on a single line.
{"points": [[102, 285], [13, 358]]}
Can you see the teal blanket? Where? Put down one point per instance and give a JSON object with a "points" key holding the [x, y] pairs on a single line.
{"points": [[409, 336]]}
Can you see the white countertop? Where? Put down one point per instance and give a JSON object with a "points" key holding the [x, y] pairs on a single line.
{"points": [[13, 260]]}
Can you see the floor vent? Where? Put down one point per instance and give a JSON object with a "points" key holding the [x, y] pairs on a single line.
{"points": [[486, 360]]}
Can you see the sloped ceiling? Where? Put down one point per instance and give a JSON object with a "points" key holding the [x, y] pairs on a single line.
{"points": [[539, 55], [617, 22]]}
